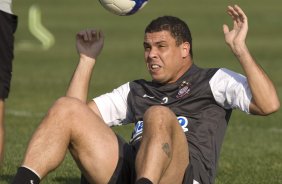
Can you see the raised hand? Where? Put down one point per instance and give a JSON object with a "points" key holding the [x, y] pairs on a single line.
{"points": [[236, 37], [89, 43]]}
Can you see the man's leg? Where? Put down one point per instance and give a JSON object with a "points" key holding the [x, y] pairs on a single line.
{"points": [[8, 26], [2, 130], [72, 124], [163, 155]]}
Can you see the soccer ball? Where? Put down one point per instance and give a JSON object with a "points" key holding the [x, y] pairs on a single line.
{"points": [[123, 7]]}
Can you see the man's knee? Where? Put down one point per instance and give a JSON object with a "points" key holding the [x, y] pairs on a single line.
{"points": [[159, 117], [158, 111], [64, 107]]}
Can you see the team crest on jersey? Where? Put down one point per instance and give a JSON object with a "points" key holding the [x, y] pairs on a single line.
{"points": [[184, 89]]}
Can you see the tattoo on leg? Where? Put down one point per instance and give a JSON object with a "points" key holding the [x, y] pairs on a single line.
{"points": [[166, 149]]}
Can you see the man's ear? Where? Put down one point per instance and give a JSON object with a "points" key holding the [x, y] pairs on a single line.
{"points": [[185, 46]]}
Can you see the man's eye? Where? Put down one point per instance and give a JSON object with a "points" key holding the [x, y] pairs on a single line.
{"points": [[147, 48], [162, 46]]}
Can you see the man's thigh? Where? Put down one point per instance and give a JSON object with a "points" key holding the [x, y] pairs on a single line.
{"points": [[93, 145], [125, 170], [175, 171]]}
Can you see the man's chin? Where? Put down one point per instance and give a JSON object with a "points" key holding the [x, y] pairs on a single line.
{"points": [[159, 81]]}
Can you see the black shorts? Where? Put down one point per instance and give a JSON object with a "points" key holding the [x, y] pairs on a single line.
{"points": [[8, 27], [125, 170]]}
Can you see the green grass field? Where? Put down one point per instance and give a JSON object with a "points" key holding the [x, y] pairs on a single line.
{"points": [[252, 150]]}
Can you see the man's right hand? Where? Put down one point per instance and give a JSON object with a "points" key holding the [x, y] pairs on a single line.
{"points": [[89, 43]]}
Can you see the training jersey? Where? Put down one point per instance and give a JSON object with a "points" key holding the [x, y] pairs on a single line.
{"points": [[202, 100], [6, 6]]}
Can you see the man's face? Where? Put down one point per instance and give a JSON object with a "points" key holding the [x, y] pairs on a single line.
{"points": [[164, 59]]}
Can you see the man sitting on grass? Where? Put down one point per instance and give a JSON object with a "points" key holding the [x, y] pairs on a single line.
{"points": [[180, 116]]}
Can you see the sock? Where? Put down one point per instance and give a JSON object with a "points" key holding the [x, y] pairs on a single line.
{"points": [[25, 176], [143, 181]]}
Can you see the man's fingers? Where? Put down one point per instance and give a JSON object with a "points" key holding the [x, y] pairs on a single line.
{"points": [[237, 13], [95, 35], [101, 35], [82, 35], [242, 16], [225, 29], [88, 35], [232, 12]]}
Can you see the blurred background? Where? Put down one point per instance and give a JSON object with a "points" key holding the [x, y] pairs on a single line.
{"points": [[44, 63]]}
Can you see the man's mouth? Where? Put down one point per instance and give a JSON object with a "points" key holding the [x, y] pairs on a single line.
{"points": [[154, 66]]}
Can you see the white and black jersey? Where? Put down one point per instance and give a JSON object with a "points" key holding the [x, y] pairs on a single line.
{"points": [[202, 99]]}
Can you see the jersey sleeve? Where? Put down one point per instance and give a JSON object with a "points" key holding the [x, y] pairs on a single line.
{"points": [[113, 105], [231, 90]]}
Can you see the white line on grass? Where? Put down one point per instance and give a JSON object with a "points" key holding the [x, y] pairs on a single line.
{"points": [[275, 130], [20, 113]]}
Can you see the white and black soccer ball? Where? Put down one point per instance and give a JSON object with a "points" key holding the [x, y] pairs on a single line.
{"points": [[123, 7]]}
